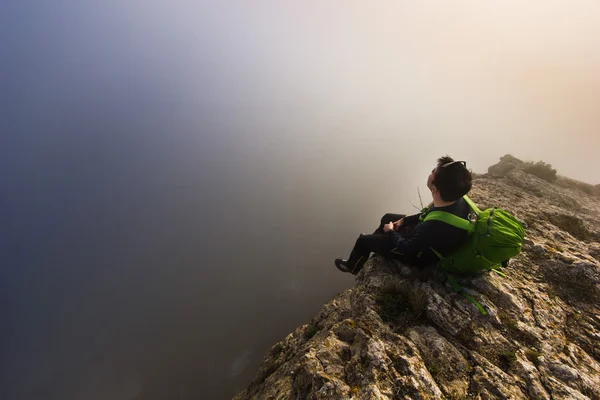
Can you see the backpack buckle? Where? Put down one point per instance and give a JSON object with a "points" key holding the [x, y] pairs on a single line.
{"points": [[472, 217]]}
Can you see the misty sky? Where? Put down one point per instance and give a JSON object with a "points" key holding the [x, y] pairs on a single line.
{"points": [[473, 79], [168, 163]]}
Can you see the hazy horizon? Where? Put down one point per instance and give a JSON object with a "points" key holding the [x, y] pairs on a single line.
{"points": [[179, 176]]}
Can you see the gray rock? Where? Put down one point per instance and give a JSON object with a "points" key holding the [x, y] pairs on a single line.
{"points": [[507, 163], [538, 250]]}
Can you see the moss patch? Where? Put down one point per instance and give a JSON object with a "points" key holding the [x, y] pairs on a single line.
{"points": [[402, 309]]}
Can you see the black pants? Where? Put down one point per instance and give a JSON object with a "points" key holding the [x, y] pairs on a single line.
{"points": [[377, 242]]}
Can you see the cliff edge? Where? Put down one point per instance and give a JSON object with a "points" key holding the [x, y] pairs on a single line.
{"points": [[402, 333]]}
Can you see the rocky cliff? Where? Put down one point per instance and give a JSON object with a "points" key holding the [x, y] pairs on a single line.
{"points": [[402, 333]]}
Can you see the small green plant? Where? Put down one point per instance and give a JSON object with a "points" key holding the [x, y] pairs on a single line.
{"points": [[277, 349], [465, 336], [310, 331], [534, 356], [418, 300], [509, 322], [434, 368], [542, 170], [402, 307], [392, 306], [506, 359], [551, 291]]}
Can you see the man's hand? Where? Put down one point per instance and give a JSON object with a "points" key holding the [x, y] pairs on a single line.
{"points": [[388, 227], [398, 224]]}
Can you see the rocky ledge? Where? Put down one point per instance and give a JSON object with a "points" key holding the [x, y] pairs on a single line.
{"points": [[402, 333]]}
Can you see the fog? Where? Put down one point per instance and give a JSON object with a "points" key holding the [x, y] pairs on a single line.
{"points": [[177, 177]]}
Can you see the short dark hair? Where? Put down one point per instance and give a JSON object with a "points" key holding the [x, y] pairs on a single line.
{"points": [[452, 178]]}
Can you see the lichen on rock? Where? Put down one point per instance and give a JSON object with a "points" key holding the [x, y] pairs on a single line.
{"points": [[402, 333]]}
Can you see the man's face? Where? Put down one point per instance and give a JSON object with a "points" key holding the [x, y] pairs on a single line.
{"points": [[430, 179]]}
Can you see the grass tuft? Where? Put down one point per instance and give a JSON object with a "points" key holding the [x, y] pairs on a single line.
{"points": [[310, 331]]}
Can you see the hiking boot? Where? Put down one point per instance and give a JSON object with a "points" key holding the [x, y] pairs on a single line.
{"points": [[342, 265]]}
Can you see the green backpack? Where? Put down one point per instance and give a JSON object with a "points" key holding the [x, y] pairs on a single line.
{"points": [[495, 236]]}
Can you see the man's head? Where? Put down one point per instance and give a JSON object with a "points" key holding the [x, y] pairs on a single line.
{"points": [[451, 179]]}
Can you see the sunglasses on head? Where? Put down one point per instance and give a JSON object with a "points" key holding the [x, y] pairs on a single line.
{"points": [[464, 164]]}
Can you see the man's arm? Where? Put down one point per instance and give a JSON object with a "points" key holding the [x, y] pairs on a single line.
{"points": [[412, 220], [418, 242]]}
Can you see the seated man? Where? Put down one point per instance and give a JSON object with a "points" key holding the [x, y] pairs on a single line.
{"points": [[410, 240]]}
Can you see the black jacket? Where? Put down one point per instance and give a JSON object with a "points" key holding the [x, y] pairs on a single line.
{"points": [[414, 248]]}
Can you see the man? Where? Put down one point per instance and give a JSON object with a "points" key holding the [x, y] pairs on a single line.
{"points": [[410, 240]]}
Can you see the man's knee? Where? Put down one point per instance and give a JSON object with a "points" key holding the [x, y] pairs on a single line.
{"points": [[360, 241], [367, 242], [387, 218]]}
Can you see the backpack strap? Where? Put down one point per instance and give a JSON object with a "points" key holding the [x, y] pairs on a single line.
{"points": [[450, 219], [460, 223], [498, 270], [475, 302], [471, 204], [458, 288]]}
